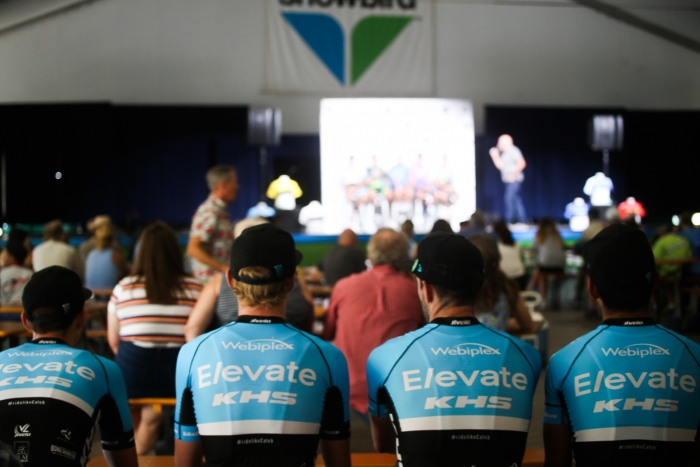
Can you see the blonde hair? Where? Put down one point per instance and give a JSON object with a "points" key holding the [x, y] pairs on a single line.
{"points": [[547, 228], [104, 235], [266, 294]]}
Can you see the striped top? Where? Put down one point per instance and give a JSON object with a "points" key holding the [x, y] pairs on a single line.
{"points": [[149, 324]]}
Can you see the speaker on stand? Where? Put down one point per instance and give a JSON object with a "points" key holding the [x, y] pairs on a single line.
{"points": [[606, 133]]}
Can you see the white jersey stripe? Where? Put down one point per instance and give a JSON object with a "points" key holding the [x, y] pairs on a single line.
{"points": [[49, 393], [139, 329], [247, 427], [465, 422], [649, 433]]}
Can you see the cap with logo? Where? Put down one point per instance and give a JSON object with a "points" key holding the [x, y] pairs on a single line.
{"points": [[448, 260], [266, 246], [56, 288], [620, 262]]}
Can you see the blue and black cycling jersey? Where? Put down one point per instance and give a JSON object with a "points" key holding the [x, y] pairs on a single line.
{"points": [[629, 392], [260, 392], [53, 396], [458, 393]]}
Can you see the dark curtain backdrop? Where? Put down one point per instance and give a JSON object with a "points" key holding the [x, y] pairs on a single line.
{"points": [[135, 163], [664, 161], [139, 163], [659, 165], [554, 142]]}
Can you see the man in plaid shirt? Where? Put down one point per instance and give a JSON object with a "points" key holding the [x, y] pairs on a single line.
{"points": [[211, 233]]}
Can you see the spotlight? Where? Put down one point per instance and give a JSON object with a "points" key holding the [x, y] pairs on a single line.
{"points": [[695, 219], [675, 220], [58, 175]]}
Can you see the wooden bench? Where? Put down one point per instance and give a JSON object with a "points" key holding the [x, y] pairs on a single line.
{"points": [[156, 402], [533, 458]]}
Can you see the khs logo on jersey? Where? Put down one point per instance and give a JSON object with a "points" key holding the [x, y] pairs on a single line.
{"points": [[636, 350], [246, 397], [467, 348], [22, 430], [259, 345]]}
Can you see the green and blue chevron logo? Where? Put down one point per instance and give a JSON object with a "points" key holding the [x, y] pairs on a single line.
{"points": [[369, 39]]}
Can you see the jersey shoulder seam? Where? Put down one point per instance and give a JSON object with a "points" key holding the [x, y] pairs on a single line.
{"points": [[404, 353], [583, 347], [667, 331], [512, 341], [323, 356]]}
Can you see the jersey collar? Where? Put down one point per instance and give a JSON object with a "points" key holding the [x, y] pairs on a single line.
{"points": [[456, 321], [48, 341], [630, 322], [260, 319]]}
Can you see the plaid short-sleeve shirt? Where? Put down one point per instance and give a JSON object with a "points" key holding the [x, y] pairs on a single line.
{"points": [[211, 224]]}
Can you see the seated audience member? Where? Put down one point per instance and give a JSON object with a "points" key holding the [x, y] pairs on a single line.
{"points": [[57, 395], [670, 246], [88, 245], [476, 224], [146, 324], [104, 266], [551, 254], [595, 225], [408, 230], [687, 230], [460, 408], [55, 250], [344, 259], [13, 276], [296, 394], [441, 225], [511, 262], [217, 304], [371, 307], [499, 304], [22, 236], [624, 394]]}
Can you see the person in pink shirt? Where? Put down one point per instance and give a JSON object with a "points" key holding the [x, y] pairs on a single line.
{"points": [[371, 307]]}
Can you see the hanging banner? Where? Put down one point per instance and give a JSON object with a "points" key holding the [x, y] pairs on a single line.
{"points": [[350, 47]]}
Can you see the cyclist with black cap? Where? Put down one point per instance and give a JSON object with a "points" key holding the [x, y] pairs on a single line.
{"points": [[259, 392], [625, 394], [454, 392], [53, 396]]}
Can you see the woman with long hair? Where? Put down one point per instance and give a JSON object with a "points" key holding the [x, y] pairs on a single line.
{"points": [[551, 254], [146, 324], [499, 304], [511, 262]]}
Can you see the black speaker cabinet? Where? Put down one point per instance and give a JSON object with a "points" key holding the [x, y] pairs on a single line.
{"points": [[606, 132], [264, 127]]}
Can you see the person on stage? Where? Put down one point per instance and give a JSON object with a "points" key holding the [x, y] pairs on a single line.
{"points": [[510, 161]]}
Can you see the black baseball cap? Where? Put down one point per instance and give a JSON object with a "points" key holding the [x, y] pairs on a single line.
{"points": [[266, 246], [620, 263], [448, 260], [57, 288]]}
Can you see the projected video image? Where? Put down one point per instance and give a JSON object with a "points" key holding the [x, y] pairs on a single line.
{"points": [[385, 161]]}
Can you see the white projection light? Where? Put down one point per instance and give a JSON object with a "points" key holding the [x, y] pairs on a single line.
{"points": [[388, 161]]}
